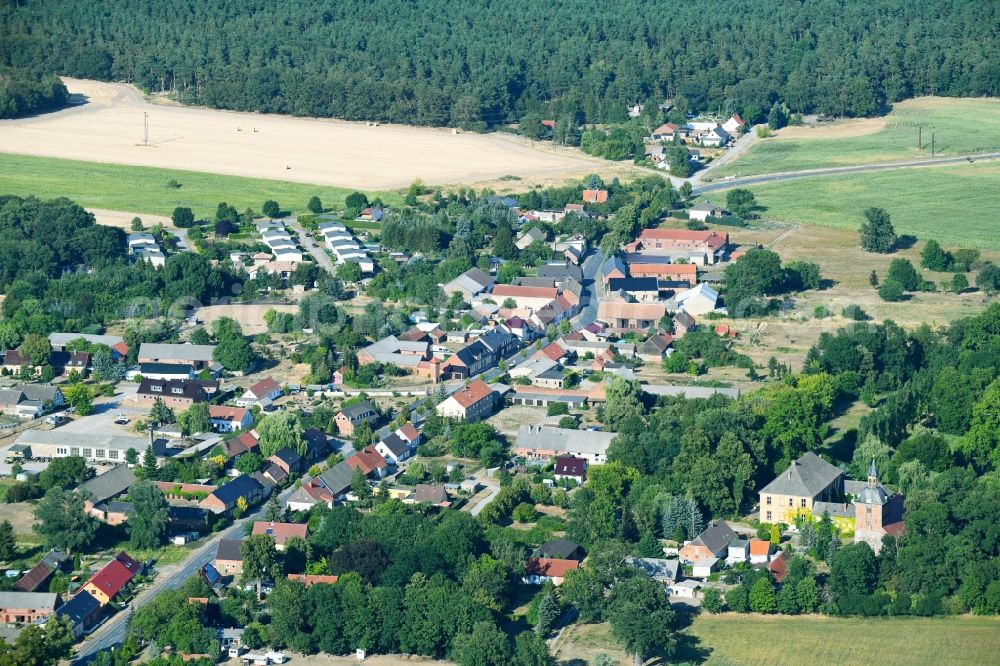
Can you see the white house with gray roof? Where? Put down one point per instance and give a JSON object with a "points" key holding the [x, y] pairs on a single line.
{"points": [[29, 400], [471, 283], [662, 570]]}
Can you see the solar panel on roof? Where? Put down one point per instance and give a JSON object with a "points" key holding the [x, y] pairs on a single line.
{"points": [[212, 574]]}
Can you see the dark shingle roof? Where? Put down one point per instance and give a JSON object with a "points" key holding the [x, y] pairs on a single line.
{"points": [[241, 486], [317, 440], [338, 478], [229, 549], [806, 477], [80, 607], [716, 537], [612, 263], [633, 284], [164, 369], [560, 549], [110, 484], [560, 270], [358, 410], [168, 387], [395, 443], [289, 457], [277, 474]]}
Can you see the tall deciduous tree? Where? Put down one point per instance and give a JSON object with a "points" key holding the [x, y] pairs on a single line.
{"points": [[877, 232], [757, 273], [486, 645], [36, 349], [932, 257], [280, 430], [741, 202], [762, 597], [623, 402], [195, 419], [182, 217], [641, 618], [235, 354], [65, 473], [260, 559], [147, 524], [271, 208], [853, 570], [531, 650], [982, 442], [62, 522], [503, 242]]}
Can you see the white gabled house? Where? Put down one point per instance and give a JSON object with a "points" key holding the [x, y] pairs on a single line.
{"points": [[399, 445], [262, 393]]}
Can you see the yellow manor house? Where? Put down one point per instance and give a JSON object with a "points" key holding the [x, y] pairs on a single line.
{"points": [[811, 487]]}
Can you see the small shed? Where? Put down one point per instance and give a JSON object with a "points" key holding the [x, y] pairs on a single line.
{"points": [[704, 568]]}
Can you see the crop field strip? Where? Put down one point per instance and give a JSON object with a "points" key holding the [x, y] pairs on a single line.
{"points": [[960, 126]]}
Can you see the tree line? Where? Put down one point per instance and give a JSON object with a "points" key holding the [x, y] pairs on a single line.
{"points": [[24, 92], [481, 64]]}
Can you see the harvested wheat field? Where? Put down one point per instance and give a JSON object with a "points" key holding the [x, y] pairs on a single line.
{"points": [[108, 127], [123, 220], [839, 129]]}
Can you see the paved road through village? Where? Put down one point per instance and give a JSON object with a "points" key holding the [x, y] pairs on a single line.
{"points": [[112, 633]]}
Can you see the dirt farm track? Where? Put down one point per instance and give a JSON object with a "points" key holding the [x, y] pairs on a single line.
{"points": [[108, 127]]}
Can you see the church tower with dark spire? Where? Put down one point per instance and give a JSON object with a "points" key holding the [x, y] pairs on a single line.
{"points": [[874, 509]]}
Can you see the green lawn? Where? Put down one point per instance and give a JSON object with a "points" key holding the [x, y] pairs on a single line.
{"points": [[960, 126], [955, 205], [145, 190], [732, 640]]}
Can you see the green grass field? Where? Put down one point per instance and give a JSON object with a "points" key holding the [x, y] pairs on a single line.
{"points": [[735, 640], [960, 126], [145, 189], [955, 205]]}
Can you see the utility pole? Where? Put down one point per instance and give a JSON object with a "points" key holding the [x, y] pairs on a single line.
{"points": [[920, 134], [932, 144], [145, 128]]}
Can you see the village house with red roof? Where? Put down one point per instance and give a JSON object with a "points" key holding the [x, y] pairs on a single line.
{"points": [[112, 578], [470, 403], [228, 419]]}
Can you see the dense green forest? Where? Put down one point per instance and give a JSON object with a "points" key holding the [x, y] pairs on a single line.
{"points": [[24, 92], [477, 64], [39, 239]]}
